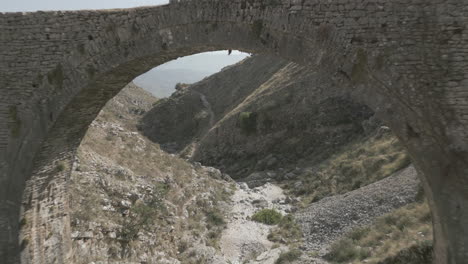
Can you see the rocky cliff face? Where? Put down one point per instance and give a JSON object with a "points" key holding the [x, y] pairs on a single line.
{"points": [[260, 114], [192, 110]]}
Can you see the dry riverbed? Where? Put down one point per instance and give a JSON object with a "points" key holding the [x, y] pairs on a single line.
{"points": [[244, 240]]}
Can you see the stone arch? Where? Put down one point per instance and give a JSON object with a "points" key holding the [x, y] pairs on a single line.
{"points": [[401, 59]]}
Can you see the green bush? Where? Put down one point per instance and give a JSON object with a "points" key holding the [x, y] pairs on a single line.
{"points": [[248, 122], [267, 216], [288, 257]]}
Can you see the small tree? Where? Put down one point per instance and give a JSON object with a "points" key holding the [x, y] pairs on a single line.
{"points": [[142, 216]]}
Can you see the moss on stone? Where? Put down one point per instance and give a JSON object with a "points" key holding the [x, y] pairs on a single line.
{"points": [[91, 71], [257, 27], [359, 71], [135, 28], [56, 77], [382, 57], [23, 222], [81, 49], [110, 28], [15, 127], [266, 3]]}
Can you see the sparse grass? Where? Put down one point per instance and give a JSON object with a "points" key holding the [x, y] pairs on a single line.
{"points": [[60, 166], [215, 218], [403, 228], [267, 216], [174, 181], [359, 164], [287, 231], [212, 238], [345, 250], [289, 256]]}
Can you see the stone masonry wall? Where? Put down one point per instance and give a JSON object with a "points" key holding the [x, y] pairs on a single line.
{"points": [[406, 59]]}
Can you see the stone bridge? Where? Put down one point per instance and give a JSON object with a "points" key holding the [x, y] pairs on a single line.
{"points": [[407, 59]]}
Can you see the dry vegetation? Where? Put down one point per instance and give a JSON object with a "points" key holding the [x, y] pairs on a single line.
{"points": [[358, 164], [287, 232], [172, 205], [407, 227], [288, 257]]}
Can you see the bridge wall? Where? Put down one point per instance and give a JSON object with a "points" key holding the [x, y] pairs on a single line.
{"points": [[406, 59]]}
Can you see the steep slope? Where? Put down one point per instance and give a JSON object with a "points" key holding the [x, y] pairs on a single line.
{"points": [[333, 216], [305, 135], [187, 115], [133, 203], [268, 114]]}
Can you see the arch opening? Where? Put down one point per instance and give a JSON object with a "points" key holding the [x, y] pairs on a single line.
{"points": [[290, 100], [47, 112]]}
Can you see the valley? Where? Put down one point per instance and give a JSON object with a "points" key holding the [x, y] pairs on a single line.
{"points": [[152, 188]]}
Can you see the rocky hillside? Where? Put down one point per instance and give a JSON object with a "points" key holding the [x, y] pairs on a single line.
{"points": [[260, 114], [188, 114], [265, 121], [134, 203]]}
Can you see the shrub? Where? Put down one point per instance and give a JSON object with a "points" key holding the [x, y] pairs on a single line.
{"points": [[248, 122], [60, 167], [358, 233], [393, 234], [215, 218], [212, 238], [418, 253], [182, 247], [23, 222], [288, 257], [358, 164], [24, 244], [344, 250], [287, 231], [267, 216]]}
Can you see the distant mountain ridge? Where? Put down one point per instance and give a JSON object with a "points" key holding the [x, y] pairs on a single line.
{"points": [[161, 80]]}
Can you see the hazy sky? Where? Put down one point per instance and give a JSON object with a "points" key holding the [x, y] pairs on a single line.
{"points": [[35, 5]]}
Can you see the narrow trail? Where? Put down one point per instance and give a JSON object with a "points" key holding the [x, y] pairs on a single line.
{"points": [[189, 151], [207, 105]]}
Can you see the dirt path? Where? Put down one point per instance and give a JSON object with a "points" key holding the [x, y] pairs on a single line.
{"points": [[189, 150], [207, 105]]}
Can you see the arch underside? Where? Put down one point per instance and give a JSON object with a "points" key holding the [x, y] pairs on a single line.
{"points": [[59, 69]]}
